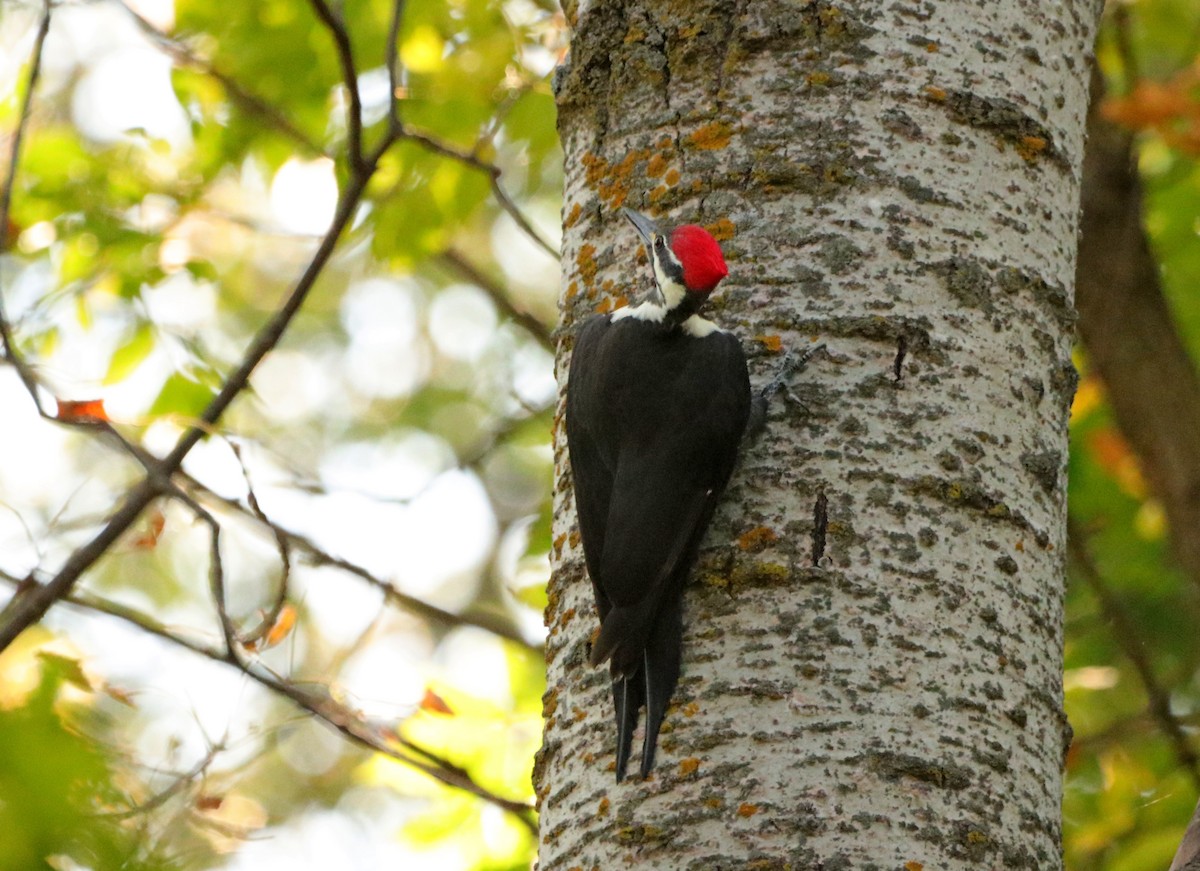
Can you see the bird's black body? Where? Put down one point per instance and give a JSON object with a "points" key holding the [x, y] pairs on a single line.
{"points": [[655, 414]]}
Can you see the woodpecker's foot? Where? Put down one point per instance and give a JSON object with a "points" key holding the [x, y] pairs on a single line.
{"points": [[792, 363]]}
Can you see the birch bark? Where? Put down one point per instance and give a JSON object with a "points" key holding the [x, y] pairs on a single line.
{"points": [[899, 180]]}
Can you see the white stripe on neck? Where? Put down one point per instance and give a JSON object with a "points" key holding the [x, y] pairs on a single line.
{"points": [[695, 326]]}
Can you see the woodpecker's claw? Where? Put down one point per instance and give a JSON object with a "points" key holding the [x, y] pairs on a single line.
{"points": [[791, 364]]}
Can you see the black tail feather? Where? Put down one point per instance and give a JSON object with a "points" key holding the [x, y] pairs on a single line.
{"points": [[661, 674], [629, 695]]}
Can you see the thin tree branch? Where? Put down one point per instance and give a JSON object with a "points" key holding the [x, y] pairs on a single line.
{"points": [[251, 103], [159, 799], [318, 557], [285, 560], [1134, 649], [395, 121], [517, 215], [469, 158], [499, 296], [318, 703], [14, 158], [354, 114], [29, 607]]}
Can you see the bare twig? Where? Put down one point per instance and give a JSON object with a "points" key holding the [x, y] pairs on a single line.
{"points": [[281, 543], [517, 215], [499, 296], [395, 121], [251, 103], [317, 702], [181, 782], [474, 161], [1134, 649], [14, 158], [354, 115]]}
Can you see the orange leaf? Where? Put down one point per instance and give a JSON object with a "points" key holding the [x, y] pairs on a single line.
{"points": [[83, 410], [283, 626], [1148, 105], [913, 866], [149, 539], [209, 802], [434, 703]]}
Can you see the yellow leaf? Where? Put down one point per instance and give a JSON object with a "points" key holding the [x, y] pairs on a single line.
{"points": [[422, 51]]}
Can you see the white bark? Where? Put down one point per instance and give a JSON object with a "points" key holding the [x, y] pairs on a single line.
{"points": [[899, 180]]}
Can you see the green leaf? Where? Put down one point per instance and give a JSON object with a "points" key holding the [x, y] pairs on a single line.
{"points": [[130, 354], [183, 396]]}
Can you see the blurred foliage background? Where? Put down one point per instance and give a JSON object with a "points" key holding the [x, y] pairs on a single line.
{"points": [[181, 162]]}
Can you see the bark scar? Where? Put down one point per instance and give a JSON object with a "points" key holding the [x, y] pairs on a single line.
{"points": [[901, 353], [820, 525]]}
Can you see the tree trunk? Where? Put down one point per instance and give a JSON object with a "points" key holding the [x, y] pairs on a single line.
{"points": [[900, 181]]}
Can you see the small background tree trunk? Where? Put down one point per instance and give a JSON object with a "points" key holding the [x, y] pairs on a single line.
{"points": [[900, 181]]}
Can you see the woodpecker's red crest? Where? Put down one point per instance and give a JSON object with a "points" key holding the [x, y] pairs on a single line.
{"points": [[700, 255]]}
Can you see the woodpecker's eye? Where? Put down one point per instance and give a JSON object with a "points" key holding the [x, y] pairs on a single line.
{"points": [[659, 242]]}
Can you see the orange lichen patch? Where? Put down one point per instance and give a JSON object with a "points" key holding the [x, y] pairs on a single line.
{"points": [[566, 617], [585, 262], [1030, 147], [722, 229], [573, 216], [620, 301], [574, 538], [713, 803], [745, 809], [691, 709], [612, 181], [634, 34], [774, 344], [604, 307], [757, 538], [672, 178], [657, 194], [913, 866], [1020, 545], [932, 47], [712, 136], [578, 713], [602, 810], [657, 166], [558, 544], [935, 93], [689, 766], [572, 290], [550, 703], [819, 79]]}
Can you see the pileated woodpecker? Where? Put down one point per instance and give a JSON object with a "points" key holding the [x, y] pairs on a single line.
{"points": [[657, 402]]}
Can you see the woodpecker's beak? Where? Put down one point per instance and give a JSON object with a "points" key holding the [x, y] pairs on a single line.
{"points": [[645, 227]]}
